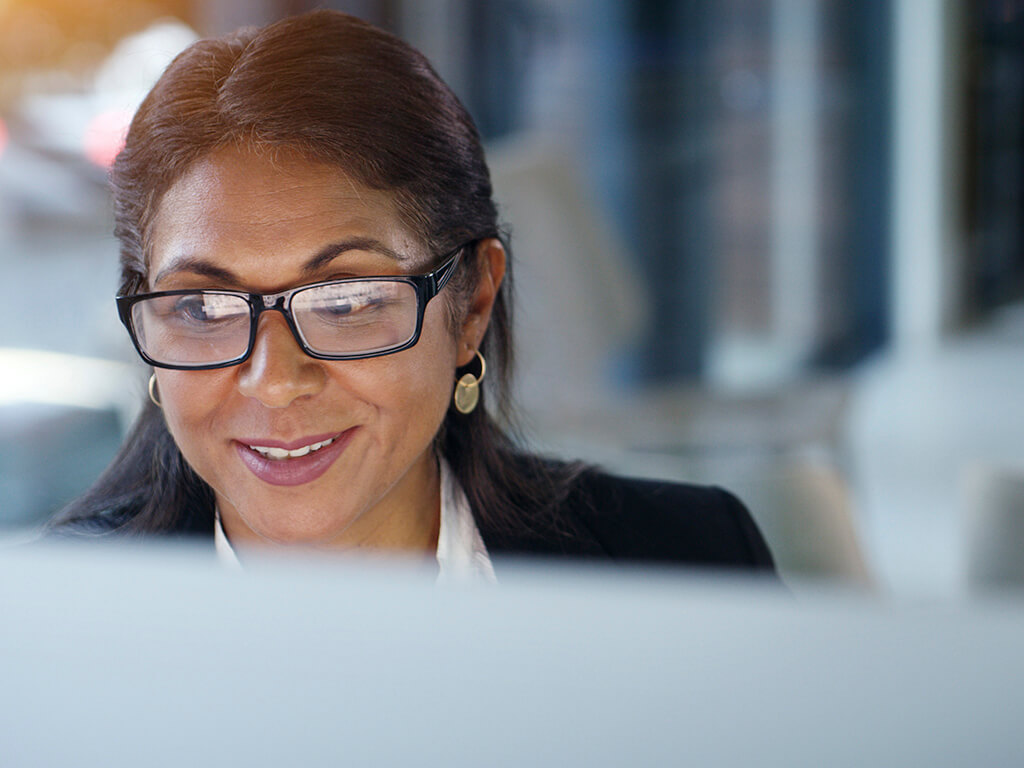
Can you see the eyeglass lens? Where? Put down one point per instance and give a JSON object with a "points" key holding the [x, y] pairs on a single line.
{"points": [[335, 319]]}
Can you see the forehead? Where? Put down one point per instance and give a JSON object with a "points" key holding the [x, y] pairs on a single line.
{"points": [[262, 211]]}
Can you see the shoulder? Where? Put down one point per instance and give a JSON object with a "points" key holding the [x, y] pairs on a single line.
{"points": [[660, 521], [599, 515]]}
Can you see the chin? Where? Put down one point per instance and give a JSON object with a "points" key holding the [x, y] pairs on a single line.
{"points": [[297, 530]]}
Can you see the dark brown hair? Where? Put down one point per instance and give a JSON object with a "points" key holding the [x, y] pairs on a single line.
{"points": [[336, 90]]}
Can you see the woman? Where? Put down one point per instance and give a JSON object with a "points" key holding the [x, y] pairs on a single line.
{"points": [[311, 263]]}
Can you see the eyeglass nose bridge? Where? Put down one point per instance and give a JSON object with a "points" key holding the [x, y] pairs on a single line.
{"points": [[275, 302], [271, 302]]}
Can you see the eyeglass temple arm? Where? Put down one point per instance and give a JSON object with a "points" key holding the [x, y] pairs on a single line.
{"points": [[445, 271]]}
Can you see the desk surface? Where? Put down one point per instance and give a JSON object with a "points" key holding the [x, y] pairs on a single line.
{"points": [[129, 657]]}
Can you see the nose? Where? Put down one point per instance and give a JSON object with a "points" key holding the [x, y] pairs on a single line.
{"points": [[278, 372]]}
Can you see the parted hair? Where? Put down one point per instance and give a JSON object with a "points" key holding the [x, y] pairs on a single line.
{"points": [[337, 90]]}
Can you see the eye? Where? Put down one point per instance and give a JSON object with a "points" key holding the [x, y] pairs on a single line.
{"points": [[347, 302], [192, 307], [349, 306], [207, 308]]}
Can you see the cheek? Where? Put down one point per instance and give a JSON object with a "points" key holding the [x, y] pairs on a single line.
{"points": [[191, 401], [411, 388], [409, 391]]}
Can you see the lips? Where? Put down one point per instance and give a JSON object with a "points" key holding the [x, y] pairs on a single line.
{"points": [[292, 463]]}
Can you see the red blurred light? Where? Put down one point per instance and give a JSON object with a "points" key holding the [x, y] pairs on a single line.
{"points": [[3, 137], [104, 136]]}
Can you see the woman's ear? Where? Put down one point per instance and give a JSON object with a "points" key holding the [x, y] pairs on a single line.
{"points": [[490, 254]]}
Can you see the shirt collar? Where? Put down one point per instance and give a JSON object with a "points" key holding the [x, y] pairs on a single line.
{"points": [[461, 552], [225, 552]]}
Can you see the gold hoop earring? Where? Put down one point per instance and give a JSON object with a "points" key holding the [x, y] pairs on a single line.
{"points": [[152, 391], [467, 388]]}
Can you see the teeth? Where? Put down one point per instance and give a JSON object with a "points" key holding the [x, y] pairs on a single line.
{"points": [[281, 453]]}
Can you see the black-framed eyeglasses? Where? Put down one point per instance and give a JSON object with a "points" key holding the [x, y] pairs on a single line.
{"points": [[347, 319]]}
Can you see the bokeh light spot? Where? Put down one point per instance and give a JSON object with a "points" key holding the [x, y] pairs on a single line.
{"points": [[105, 135]]}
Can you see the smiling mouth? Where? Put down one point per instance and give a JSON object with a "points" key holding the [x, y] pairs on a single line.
{"points": [[282, 454]]}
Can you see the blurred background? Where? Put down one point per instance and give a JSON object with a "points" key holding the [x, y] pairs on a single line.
{"points": [[774, 245]]}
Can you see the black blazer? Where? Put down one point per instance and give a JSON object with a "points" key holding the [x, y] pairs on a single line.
{"points": [[645, 521]]}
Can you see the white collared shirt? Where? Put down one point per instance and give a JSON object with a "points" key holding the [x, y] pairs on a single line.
{"points": [[461, 553]]}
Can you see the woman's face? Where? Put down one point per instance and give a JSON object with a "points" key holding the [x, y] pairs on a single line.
{"points": [[250, 222]]}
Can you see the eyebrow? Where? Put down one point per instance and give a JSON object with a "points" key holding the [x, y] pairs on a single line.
{"points": [[323, 257], [331, 252]]}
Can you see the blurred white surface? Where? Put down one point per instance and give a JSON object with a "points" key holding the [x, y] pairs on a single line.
{"points": [[52, 378], [916, 427], [61, 420], [993, 501], [147, 657]]}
